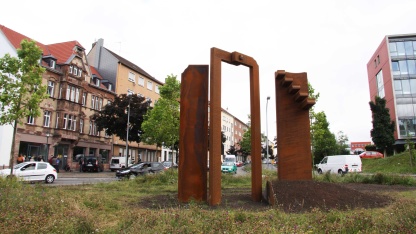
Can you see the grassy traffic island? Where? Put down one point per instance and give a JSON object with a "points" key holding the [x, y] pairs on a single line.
{"points": [[367, 203]]}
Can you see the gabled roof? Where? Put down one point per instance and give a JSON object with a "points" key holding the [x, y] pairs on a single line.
{"points": [[64, 51], [132, 66], [15, 38], [95, 72]]}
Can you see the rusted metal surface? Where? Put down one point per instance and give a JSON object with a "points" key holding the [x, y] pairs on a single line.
{"points": [[293, 126], [235, 58], [193, 137]]}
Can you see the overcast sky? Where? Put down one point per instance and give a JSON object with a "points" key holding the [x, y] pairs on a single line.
{"points": [[330, 40]]}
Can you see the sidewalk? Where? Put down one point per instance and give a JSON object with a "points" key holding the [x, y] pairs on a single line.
{"points": [[77, 174]]}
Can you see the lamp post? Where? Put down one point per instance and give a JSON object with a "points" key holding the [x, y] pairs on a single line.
{"points": [[267, 134], [127, 134]]}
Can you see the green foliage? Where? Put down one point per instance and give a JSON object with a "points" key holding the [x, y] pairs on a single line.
{"points": [[245, 143], [323, 141], [383, 127], [21, 84], [161, 124], [113, 117], [370, 148]]}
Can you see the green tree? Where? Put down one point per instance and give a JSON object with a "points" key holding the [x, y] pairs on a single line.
{"points": [[342, 140], [323, 141], [245, 142], [382, 133], [161, 124], [21, 89], [113, 117]]}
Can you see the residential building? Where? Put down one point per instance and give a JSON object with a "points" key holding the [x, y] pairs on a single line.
{"points": [[392, 76], [65, 128], [128, 78]]}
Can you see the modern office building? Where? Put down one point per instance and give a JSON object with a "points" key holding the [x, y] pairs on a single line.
{"points": [[392, 76]]}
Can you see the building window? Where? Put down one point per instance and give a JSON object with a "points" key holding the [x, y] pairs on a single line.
{"points": [[80, 73], [30, 120], [110, 86], [50, 89], [395, 68], [84, 98], [149, 85], [75, 71], [81, 125], [156, 88], [71, 68], [72, 93], [52, 64], [378, 59], [132, 76], [380, 84], [46, 118], [65, 120], [141, 81]]}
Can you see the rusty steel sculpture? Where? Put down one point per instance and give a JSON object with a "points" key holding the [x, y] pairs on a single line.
{"points": [[194, 107], [293, 126], [292, 105]]}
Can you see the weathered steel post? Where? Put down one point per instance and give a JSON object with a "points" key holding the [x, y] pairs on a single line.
{"points": [[193, 137]]}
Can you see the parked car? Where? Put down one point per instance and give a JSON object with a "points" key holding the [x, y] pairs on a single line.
{"points": [[138, 169], [92, 163], [118, 162], [169, 164], [239, 164], [229, 167], [33, 171], [371, 154]]}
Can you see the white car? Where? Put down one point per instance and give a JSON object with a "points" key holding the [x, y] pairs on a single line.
{"points": [[33, 171]]}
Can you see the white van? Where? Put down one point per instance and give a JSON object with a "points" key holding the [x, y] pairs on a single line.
{"points": [[230, 158], [118, 162], [340, 164]]}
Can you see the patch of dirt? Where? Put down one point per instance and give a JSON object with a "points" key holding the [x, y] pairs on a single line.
{"points": [[296, 197]]}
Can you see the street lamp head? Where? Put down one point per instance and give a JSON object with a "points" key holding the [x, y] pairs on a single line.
{"points": [[268, 97]]}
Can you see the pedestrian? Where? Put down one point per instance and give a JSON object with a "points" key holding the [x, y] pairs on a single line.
{"points": [[81, 162], [50, 160], [20, 159], [54, 163], [57, 164]]}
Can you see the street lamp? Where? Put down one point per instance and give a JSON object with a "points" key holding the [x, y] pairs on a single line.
{"points": [[127, 134], [267, 133]]}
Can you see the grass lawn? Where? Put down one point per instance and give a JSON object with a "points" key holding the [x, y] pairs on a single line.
{"points": [[118, 207]]}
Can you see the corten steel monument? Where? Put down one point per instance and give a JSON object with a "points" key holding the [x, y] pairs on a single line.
{"points": [[192, 166], [293, 126], [193, 135]]}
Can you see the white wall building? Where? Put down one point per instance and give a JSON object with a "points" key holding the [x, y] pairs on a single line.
{"points": [[6, 131]]}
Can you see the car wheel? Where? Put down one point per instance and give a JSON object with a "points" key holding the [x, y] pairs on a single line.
{"points": [[49, 179], [340, 172], [132, 176], [319, 171]]}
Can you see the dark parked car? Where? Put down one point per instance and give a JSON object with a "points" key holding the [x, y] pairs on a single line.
{"points": [[138, 169], [92, 163]]}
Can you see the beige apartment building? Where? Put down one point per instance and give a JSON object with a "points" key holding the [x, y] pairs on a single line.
{"points": [[128, 78]]}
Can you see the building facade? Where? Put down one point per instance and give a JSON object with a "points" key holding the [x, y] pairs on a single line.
{"points": [[128, 78], [392, 76], [65, 128]]}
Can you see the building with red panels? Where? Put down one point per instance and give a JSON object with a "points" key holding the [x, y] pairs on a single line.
{"points": [[392, 76], [358, 147]]}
